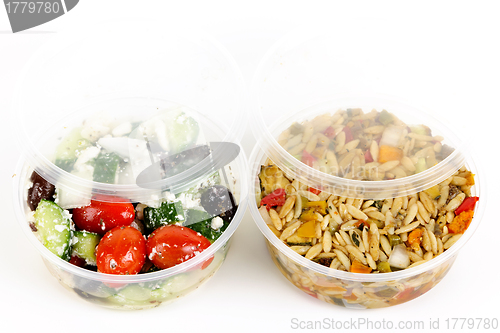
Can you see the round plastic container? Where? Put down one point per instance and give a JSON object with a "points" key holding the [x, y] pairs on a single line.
{"points": [[149, 95], [297, 81]]}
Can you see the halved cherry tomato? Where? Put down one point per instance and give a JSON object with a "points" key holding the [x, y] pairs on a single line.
{"points": [[122, 250], [171, 245], [103, 214]]}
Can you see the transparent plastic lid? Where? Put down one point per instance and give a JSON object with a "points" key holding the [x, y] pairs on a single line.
{"points": [[129, 109], [344, 142]]}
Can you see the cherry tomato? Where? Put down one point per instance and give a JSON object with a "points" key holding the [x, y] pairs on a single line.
{"points": [[171, 245], [103, 214], [122, 250]]}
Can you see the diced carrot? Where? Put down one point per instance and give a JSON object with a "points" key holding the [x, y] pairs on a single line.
{"points": [[461, 222], [389, 153], [358, 267], [308, 229], [470, 179], [319, 206], [361, 222], [415, 236]]}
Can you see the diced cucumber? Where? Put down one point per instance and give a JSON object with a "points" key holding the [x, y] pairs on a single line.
{"points": [[200, 221], [67, 151], [171, 288], [105, 167], [54, 228], [135, 292], [84, 244], [182, 132], [167, 213]]}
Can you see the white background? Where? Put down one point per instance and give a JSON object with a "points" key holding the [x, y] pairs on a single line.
{"points": [[458, 76]]}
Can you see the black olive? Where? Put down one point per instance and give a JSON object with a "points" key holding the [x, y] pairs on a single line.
{"points": [[41, 189], [217, 200]]}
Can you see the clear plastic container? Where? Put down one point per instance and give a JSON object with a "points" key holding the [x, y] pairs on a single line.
{"points": [[148, 93], [299, 80]]}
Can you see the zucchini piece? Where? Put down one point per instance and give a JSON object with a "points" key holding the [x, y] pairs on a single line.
{"points": [[167, 213], [106, 165], [271, 178], [54, 228], [68, 150], [296, 240], [84, 244]]}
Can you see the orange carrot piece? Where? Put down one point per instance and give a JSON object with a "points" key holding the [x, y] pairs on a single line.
{"points": [[389, 153], [358, 267], [415, 237], [461, 222]]}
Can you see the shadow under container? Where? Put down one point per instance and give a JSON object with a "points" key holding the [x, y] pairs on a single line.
{"points": [[131, 71]]}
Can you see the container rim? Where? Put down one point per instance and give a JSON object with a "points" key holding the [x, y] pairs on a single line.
{"points": [[18, 197], [255, 160]]}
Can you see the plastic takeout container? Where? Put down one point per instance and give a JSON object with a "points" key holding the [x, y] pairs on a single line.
{"points": [[297, 81], [134, 74]]}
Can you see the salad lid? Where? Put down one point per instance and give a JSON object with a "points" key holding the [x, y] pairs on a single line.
{"points": [[360, 145], [129, 109]]}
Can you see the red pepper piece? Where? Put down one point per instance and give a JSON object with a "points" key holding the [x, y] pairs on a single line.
{"points": [[368, 157], [276, 198], [468, 204], [329, 132], [348, 134], [314, 191], [307, 158]]}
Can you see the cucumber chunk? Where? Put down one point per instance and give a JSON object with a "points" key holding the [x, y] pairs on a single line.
{"points": [[68, 150], [167, 213], [182, 131], [84, 244], [105, 167], [54, 228], [200, 221]]}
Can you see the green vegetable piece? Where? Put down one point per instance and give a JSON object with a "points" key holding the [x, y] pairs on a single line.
{"points": [[106, 165], [421, 165], [84, 244], [54, 228], [182, 131], [167, 213], [68, 150], [385, 118], [394, 240], [200, 221], [421, 129], [384, 267]]}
